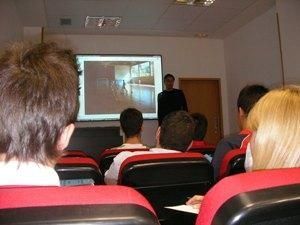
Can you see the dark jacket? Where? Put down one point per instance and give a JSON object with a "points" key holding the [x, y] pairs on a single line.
{"points": [[169, 101]]}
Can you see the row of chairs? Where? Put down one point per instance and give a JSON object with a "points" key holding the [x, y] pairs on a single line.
{"points": [[174, 176], [260, 198], [232, 163]]}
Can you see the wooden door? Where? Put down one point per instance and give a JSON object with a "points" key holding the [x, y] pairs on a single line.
{"points": [[204, 96]]}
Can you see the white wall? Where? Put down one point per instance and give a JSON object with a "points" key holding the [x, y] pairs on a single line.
{"points": [[183, 57], [252, 55], [289, 20], [32, 34], [10, 28]]}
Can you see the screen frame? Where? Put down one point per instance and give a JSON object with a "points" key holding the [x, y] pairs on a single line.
{"points": [[116, 117]]}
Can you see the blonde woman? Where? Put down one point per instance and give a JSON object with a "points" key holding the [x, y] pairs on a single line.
{"points": [[275, 142], [275, 122]]}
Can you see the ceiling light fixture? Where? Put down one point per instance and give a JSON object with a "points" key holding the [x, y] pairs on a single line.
{"points": [[195, 2], [201, 35], [102, 21]]}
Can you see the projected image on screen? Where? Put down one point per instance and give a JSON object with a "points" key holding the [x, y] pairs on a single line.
{"points": [[109, 84]]}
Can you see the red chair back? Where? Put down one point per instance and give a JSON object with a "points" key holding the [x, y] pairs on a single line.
{"points": [[233, 161], [167, 179], [66, 205], [74, 153], [203, 148], [78, 171], [257, 195]]}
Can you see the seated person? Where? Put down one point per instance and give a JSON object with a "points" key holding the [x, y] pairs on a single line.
{"points": [[199, 134], [174, 135], [248, 96], [131, 121], [39, 105], [200, 131], [275, 122]]}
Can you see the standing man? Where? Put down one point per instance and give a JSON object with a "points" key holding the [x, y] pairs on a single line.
{"points": [[170, 99]]}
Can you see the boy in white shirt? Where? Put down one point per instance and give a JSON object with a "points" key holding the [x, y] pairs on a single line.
{"points": [[174, 135], [131, 121], [38, 108]]}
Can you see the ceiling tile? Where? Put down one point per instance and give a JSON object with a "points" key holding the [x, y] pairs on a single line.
{"points": [[205, 26], [171, 24], [146, 8], [86, 7], [216, 13], [138, 23], [31, 12], [188, 13], [233, 4]]}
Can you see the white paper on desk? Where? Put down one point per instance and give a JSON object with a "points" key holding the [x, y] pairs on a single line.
{"points": [[184, 208]]}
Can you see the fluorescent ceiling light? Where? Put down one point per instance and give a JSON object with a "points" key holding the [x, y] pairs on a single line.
{"points": [[102, 21], [195, 2]]}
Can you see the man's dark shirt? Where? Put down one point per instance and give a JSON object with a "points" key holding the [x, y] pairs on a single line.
{"points": [[169, 101]]}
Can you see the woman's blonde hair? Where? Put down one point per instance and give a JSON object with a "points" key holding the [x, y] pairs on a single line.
{"points": [[276, 120]]}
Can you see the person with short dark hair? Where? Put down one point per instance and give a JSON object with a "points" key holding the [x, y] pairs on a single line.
{"points": [[171, 99], [176, 131], [247, 98], [39, 104], [174, 135], [200, 132], [200, 126], [131, 121]]}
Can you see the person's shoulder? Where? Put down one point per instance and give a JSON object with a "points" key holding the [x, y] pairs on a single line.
{"points": [[160, 94], [123, 155], [162, 150], [177, 91], [117, 147], [233, 141]]}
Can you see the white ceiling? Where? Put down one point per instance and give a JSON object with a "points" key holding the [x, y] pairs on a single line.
{"points": [[141, 17]]}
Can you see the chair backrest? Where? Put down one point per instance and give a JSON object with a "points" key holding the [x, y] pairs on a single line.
{"points": [[78, 171], [107, 156], [260, 197], [95, 139], [232, 163], [203, 148], [74, 153], [167, 179], [105, 205]]}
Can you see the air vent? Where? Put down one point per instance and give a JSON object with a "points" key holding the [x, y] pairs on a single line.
{"points": [[65, 21]]}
